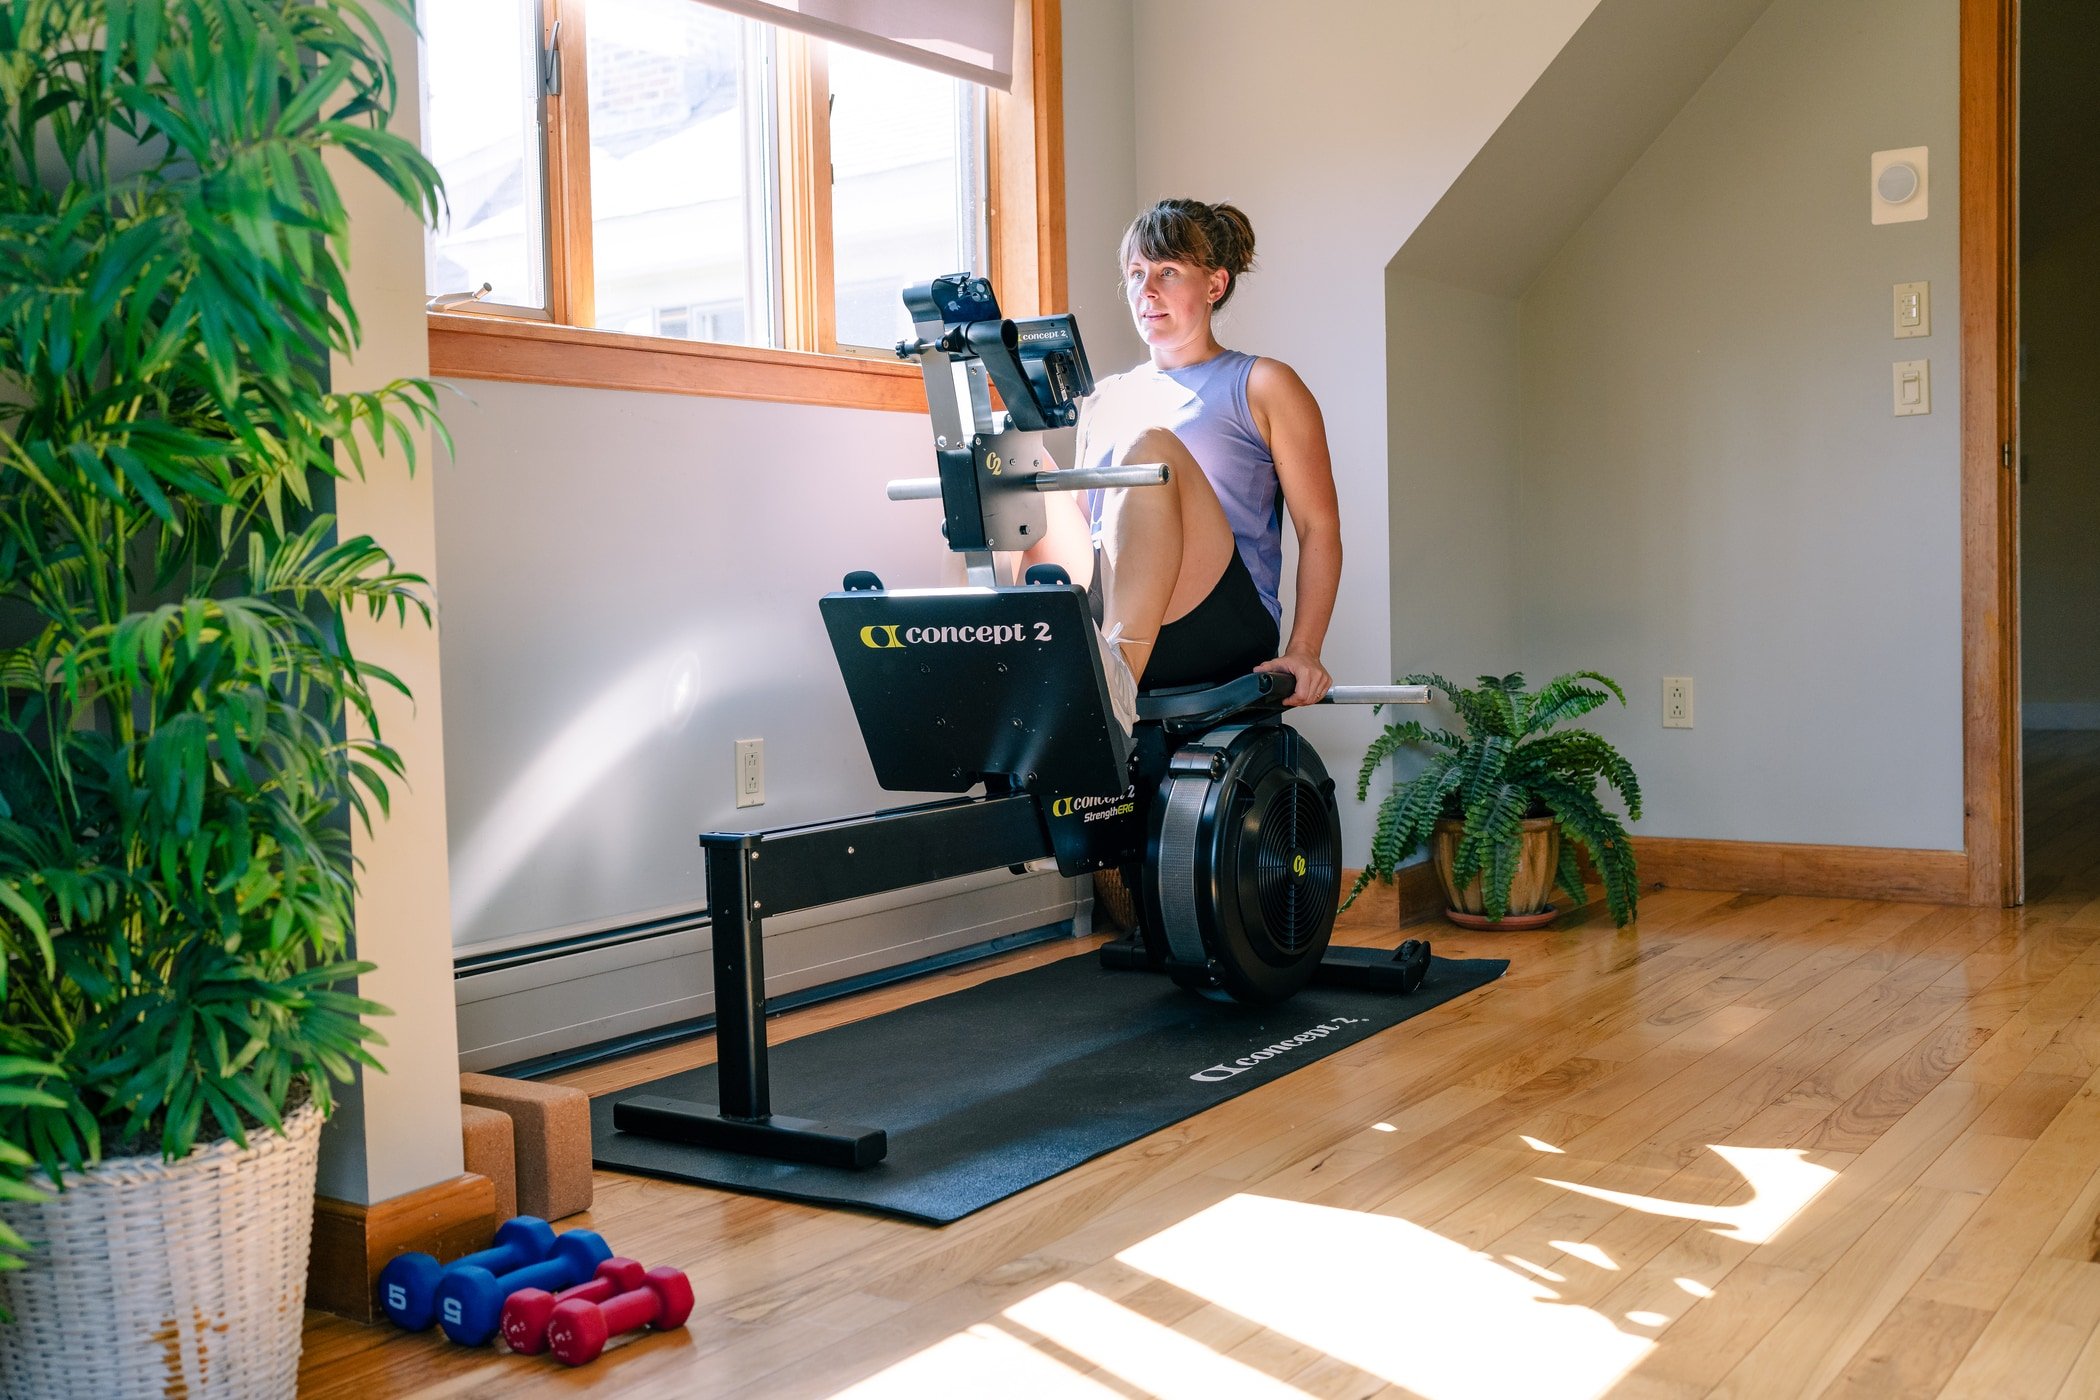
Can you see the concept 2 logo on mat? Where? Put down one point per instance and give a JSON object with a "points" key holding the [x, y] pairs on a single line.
{"points": [[1270, 1052]]}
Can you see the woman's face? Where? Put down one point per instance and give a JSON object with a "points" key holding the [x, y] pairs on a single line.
{"points": [[1170, 301]]}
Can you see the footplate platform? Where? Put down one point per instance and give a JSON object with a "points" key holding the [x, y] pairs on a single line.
{"points": [[776, 1135]]}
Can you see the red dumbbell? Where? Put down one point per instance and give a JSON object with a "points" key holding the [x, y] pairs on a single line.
{"points": [[579, 1329], [527, 1311]]}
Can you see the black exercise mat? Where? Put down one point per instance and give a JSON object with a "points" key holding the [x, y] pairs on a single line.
{"points": [[989, 1090]]}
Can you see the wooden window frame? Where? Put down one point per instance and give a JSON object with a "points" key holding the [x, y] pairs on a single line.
{"points": [[1025, 214], [1992, 835]]}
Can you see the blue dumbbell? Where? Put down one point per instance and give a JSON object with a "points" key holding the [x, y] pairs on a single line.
{"points": [[470, 1298], [408, 1284]]}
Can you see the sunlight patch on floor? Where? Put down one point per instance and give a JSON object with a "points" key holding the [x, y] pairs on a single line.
{"points": [[1587, 1253], [1530, 1268], [1391, 1299], [1154, 1358], [1783, 1183], [1380, 1294], [981, 1361]]}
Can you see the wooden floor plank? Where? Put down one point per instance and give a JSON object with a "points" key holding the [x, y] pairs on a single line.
{"points": [[1809, 1347], [2036, 1336]]}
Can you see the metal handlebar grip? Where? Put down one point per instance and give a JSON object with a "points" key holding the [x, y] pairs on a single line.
{"points": [[928, 488], [1094, 478], [1378, 695]]}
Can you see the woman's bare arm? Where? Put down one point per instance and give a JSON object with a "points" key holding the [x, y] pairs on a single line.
{"points": [[1289, 420]]}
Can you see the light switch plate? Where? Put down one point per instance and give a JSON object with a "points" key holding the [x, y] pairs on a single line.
{"points": [[1913, 387], [1913, 309]]}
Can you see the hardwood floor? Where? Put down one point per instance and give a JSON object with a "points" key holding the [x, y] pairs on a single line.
{"points": [[1756, 1146]]}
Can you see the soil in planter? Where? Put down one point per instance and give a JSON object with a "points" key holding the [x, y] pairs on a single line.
{"points": [[146, 1142]]}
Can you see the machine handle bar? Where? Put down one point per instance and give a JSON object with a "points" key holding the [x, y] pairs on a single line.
{"points": [[1377, 695], [928, 488]]}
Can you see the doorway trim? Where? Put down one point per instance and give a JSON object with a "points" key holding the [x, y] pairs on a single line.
{"points": [[1990, 556]]}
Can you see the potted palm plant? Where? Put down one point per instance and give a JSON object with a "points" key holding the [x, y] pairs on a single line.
{"points": [[1494, 804], [184, 734]]}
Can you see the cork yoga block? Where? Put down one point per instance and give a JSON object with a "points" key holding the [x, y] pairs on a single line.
{"points": [[550, 1136], [485, 1137]]}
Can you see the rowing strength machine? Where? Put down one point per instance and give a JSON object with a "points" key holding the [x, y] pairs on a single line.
{"points": [[1220, 814]]}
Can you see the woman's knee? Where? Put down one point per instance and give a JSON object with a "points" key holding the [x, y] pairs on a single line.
{"points": [[1155, 445]]}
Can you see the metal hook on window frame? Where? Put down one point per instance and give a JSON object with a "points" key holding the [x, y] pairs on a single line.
{"points": [[550, 63], [452, 301]]}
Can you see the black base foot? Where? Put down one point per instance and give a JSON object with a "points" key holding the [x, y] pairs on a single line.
{"points": [[1374, 969], [777, 1136], [1127, 954]]}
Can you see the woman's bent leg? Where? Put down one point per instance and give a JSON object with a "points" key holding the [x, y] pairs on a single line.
{"points": [[1167, 545]]}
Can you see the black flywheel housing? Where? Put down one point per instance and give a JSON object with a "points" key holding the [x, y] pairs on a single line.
{"points": [[1244, 861]]}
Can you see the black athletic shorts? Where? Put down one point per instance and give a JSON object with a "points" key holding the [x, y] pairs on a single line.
{"points": [[1222, 638]]}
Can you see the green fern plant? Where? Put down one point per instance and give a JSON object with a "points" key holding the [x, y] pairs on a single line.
{"points": [[1508, 767], [184, 731]]}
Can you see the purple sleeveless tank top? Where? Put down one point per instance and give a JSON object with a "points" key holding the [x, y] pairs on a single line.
{"points": [[1205, 405]]}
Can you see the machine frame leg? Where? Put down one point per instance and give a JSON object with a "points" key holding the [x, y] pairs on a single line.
{"points": [[753, 874], [744, 1120]]}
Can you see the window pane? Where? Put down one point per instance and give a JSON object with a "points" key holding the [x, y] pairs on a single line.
{"points": [[481, 127], [681, 204], [907, 193]]}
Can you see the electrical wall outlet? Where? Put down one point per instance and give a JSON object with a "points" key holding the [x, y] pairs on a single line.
{"points": [[750, 772], [1677, 702]]}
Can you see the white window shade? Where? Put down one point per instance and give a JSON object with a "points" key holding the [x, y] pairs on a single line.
{"points": [[969, 39]]}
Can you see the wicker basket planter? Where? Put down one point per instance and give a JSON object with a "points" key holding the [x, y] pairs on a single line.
{"points": [[151, 1278]]}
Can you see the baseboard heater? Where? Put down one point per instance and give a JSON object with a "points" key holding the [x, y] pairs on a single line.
{"points": [[578, 996]]}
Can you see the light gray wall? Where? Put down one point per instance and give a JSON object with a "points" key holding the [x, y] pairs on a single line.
{"points": [[1712, 483], [1603, 100], [2060, 363], [630, 586], [1453, 371]]}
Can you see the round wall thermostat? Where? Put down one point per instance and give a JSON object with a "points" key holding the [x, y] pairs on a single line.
{"points": [[1897, 182]]}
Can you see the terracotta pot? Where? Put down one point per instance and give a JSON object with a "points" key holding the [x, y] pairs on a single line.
{"points": [[1537, 861]]}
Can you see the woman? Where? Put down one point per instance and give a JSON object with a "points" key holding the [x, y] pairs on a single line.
{"points": [[1185, 576]]}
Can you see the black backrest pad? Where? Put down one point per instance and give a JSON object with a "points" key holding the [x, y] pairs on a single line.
{"points": [[951, 685]]}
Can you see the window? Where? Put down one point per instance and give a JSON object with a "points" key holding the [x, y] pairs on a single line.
{"points": [[665, 194], [907, 187], [481, 127], [682, 183]]}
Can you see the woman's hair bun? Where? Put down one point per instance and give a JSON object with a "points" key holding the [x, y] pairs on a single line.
{"points": [[1232, 238]]}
